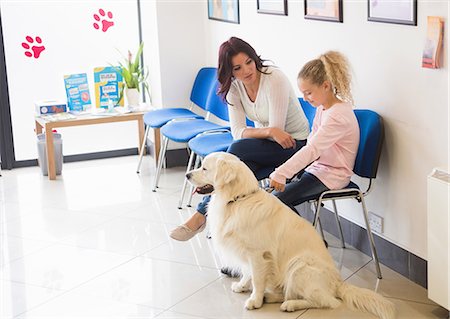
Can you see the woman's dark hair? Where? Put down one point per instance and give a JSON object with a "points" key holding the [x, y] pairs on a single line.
{"points": [[227, 51]]}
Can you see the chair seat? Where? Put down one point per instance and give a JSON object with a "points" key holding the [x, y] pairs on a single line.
{"points": [[344, 192], [159, 117], [210, 143], [184, 131]]}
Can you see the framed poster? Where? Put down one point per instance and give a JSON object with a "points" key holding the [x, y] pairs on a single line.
{"points": [[224, 10], [399, 11], [272, 7], [327, 10]]}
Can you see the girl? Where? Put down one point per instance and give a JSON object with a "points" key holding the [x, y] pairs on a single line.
{"points": [[330, 152]]}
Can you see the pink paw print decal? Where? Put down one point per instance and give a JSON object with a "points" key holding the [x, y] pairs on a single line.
{"points": [[33, 47], [100, 19]]}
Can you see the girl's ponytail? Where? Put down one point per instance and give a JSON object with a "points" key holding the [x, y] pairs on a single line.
{"points": [[337, 69], [334, 67]]}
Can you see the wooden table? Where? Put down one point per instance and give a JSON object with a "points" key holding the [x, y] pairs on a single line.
{"points": [[48, 126]]}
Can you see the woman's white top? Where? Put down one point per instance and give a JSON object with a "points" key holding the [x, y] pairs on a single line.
{"points": [[276, 105]]}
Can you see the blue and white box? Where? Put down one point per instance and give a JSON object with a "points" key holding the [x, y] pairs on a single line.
{"points": [[50, 107]]}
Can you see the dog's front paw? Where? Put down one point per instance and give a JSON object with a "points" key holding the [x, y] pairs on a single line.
{"points": [[253, 303], [238, 287]]}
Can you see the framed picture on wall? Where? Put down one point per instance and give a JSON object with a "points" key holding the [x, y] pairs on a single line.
{"points": [[272, 7], [224, 10], [399, 12], [327, 10]]}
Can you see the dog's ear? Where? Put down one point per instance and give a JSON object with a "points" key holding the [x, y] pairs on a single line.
{"points": [[225, 172]]}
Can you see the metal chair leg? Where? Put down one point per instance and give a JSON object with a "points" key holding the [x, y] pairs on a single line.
{"points": [[141, 153], [191, 193], [263, 183], [162, 156], [317, 206], [369, 234], [183, 189], [316, 221], [338, 221], [321, 229]]}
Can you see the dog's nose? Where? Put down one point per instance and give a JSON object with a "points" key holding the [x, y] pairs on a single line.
{"points": [[188, 175]]}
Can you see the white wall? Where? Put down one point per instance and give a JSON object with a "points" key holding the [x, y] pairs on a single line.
{"points": [[150, 37], [173, 32], [72, 46], [388, 78]]}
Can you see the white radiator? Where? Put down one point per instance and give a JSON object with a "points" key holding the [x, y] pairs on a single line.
{"points": [[438, 199]]}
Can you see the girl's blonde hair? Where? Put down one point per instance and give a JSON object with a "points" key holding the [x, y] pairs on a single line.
{"points": [[334, 67]]}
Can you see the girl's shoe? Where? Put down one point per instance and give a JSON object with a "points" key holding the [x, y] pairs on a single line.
{"points": [[184, 233]]}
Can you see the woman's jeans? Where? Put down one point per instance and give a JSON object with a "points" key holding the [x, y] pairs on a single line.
{"points": [[262, 156]]}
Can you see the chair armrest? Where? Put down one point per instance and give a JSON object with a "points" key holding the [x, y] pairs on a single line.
{"points": [[183, 119], [217, 131]]}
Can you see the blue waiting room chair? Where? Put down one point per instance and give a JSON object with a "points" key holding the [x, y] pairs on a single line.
{"points": [[201, 89], [366, 166], [184, 131]]}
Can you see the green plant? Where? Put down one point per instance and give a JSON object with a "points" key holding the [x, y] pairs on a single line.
{"points": [[133, 72]]}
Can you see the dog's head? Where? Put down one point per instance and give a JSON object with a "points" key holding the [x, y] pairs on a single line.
{"points": [[222, 170]]}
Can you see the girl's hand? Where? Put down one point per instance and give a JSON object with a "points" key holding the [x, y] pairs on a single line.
{"points": [[277, 186], [282, 138]]}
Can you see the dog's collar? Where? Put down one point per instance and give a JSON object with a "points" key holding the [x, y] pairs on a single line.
{"points": [[238, 197]]}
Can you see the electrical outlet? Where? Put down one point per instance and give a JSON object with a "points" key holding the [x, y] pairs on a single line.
{"points": [[376, 223]]}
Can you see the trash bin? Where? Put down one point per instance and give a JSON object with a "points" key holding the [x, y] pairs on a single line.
{"points": [[42, 153]]}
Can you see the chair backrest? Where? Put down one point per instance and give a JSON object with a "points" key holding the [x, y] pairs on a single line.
{"points": [[309, 110], [215, 104], [371, 135], [201, 89]]}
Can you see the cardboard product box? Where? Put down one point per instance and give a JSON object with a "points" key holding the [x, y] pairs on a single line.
{"points": [[50, 107]]}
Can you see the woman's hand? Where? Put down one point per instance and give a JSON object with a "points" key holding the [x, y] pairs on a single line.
{"points": [[282, 138], [277, 186]]}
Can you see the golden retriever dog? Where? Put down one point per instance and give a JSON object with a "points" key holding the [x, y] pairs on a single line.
{"points": [[281, 256]]}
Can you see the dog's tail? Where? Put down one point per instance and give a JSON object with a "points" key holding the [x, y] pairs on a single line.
{"points": [[366, 300]]}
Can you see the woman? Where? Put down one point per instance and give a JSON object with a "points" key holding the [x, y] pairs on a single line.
{"points": [[264, 95]]}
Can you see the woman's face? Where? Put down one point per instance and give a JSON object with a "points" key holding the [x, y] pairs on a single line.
{"points": [[314, 94], [244, 68]]}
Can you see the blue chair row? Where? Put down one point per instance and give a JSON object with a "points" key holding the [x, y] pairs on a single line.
{"points": [[201, 90]]}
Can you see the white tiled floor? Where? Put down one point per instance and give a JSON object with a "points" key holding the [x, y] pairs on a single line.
{"points": [[94, 244]]}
